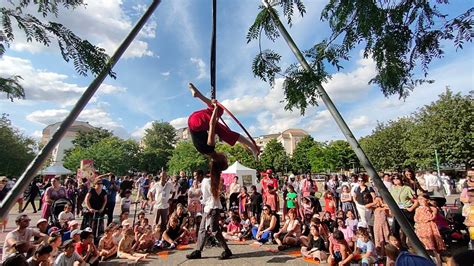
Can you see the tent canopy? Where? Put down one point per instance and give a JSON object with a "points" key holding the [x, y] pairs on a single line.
{"points": [[55, 169], [247, 176]]}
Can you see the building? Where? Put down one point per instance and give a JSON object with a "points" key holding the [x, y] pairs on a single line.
{"points": [[57, 155], [182, 134], [288, 138]]}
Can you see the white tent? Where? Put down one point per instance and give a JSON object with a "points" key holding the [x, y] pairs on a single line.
{"points": [[55, 169], [247, 176]]}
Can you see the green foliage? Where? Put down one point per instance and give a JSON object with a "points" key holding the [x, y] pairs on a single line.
{"points": [[186, 157], [317, 159], [159, 143], [300, 162], [153, 160], [85, 139], [17, 150], [274, 157], [11, 86], [85, 56], [387, 146], [332, 157], [237, 153], [446, 125], [110, 154], [398, 36]]}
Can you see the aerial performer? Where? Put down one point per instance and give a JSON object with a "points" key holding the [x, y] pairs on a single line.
{"points": [[203, 126]]}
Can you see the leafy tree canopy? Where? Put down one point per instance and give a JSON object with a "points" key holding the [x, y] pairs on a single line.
{"points": [[274, 157], [161, 135], [237, 153], [300, 158], [17, 150], [397, 35], [185, 157], [85, 139], [85, 56]]}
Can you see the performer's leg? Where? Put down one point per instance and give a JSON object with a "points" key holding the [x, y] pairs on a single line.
{"points": [[196, 93], [217, 229], [202, 235]]}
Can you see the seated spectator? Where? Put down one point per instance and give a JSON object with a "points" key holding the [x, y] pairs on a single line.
{"points": [[192, 229], [289, 234], [307, 209], [348, 233], [173, 235], [315, 247], [268, 225], [328, 221], [17, 258], [117, 234], [69, 256], [233, 229], [351, 221], [107, 247], [338, 248], [72, 225], [55, 242], [86, 248], [43, 227], [41, 256], [245, 226], [126, 249], [66, 216], [22, 233], [76, 235], [364, 250], [146, 240]]}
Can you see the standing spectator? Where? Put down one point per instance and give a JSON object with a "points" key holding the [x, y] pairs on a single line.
{"points": [[161, 192], [411, 181], [144, 187], [432, 183], [291, 199], [55, 192], [446, 181], [81, 195], [346, 199], [307, 187], [112, 188], [96, 201], [182, 191], [403, 195], [425, 227], [3, 194], [266, 182], [126, 202], [194, 196], [33, 192], [381, 229], [272, 199], [361, 201], [234, 191], [332, 186], [387, 181], [256, 202], [126, 184], [244, 200], [71, 193], [329, 203]]}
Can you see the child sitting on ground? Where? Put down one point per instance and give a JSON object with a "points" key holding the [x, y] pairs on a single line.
{"points": [[315, 249], [233, 229], [126, 249], [173, 235], [192, 228], [107, 247], [364, 249], [338, 248], [146, 240], [245, 226]]}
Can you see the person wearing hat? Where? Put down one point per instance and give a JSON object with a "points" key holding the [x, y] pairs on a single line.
{"points": [[69, 256], [76, 235], [41, 256], [21, 233], [43, 226]]}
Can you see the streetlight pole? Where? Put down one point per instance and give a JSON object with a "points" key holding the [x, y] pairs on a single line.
{"points": [[364, 160]]}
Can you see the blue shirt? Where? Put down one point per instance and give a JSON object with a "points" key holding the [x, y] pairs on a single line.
{"points": [[111, 193], [365, 246]]}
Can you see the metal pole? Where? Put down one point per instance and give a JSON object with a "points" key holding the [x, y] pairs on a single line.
{"points": [[38, 161], [213, 50], [437, 163], [382, 189]]}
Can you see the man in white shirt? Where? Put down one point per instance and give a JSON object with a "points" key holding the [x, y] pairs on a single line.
{"points": [[21, 233], [209, 222], [161, 192], [432, 182]]}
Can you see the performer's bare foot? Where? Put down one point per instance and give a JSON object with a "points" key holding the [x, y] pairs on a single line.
{"points": [[194, 91]]}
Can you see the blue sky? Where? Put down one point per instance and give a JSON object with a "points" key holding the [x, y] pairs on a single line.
{"points": [[173, 50]]}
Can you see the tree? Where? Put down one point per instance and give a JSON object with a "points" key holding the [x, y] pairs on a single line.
{"points": [[397, 35], [85, 139], [300, 159], [186, 157], [274, 157], [85, 56], [159, 141], [237, 153], [317, 158], [387, 146], [110, 154], [446, 126], [17, 150], [340, 155]]}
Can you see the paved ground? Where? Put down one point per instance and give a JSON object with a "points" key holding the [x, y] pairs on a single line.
{"points": [[244, 252]]}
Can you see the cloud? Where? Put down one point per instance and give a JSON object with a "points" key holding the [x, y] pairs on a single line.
{"points": [[179, 122], [138, 133], [179, 19], [107, 25], [42, 85], [95, 116], [359, 122], [166, 74], [201, 67]]}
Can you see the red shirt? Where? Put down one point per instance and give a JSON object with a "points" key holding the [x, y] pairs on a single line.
{"points": [[199, 121], [81, 248]]}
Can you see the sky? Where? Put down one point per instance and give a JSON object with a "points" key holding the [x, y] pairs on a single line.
{"points": [[173, 49]]}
